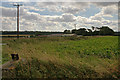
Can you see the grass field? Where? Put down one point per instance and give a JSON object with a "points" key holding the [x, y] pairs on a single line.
{"points": [[64, 57]]}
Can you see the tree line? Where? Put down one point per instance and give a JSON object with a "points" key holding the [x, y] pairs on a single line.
{"points": [[29, 32], [104, 30]]}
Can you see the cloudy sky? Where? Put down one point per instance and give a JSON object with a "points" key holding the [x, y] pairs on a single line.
{"points": [[58, 16]]}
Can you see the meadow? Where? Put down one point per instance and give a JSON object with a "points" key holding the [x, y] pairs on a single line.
{"points": [[64, 57]]}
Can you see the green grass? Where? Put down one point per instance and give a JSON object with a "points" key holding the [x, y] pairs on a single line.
{"points": [[64, 57]]}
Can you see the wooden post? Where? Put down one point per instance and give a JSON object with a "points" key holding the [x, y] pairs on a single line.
{"points": [[18, 5], [18, 21]]}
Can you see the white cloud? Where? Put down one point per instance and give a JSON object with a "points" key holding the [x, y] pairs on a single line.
{"points": [[35, 21], [60, 1], [109, 10], [64, 18], [83, 21], [8, 23], [66, 7], [97, 16], [104, 4], [11, 12], [8, 12], [33, 8]]}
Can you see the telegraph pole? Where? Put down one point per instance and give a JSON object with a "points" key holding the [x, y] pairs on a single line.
{"points": [[18, 5]]}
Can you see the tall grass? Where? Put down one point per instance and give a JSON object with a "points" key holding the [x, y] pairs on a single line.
{"points": [[64, 57]]}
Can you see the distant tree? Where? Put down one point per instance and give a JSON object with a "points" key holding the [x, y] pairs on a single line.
{"points": [[67, 31], [93, 28], [37, 33], [98, 28], [105, 30], [89, 32], [96, 32], [81, 31], [74, 31]]}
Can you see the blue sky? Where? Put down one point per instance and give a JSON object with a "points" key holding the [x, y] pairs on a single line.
{"points": [[90, 11], [55, 16]]}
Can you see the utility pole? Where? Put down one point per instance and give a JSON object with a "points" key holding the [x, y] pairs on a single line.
{"points": [[18, 5]]}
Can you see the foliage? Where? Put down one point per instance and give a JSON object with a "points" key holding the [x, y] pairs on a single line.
{"points": [[104, 30], [67, 31]]}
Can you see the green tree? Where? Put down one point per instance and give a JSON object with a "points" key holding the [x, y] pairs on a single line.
{"points": [[105, 30], [89, 32], [81, 31], [93, 28], [74, 31], [67, 31]]}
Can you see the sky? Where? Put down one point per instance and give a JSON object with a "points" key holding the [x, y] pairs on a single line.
{"points": [[58, 16]]}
